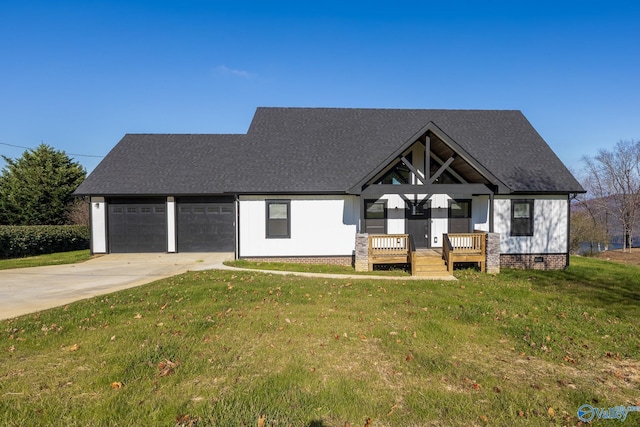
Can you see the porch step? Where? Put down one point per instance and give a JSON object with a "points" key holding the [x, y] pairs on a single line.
{"points": [[429, 266]]}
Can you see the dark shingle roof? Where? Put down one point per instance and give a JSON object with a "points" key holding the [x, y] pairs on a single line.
{"points": [[299, 150], [165, 164]]}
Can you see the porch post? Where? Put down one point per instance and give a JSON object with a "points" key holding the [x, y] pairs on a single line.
{"points": [[491, 212], [361, 227]]}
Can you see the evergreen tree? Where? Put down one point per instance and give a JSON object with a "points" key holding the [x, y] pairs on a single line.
{"points": [[36, 189]]}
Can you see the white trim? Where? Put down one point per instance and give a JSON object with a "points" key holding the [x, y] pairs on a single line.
{"points": [[171, 224]]}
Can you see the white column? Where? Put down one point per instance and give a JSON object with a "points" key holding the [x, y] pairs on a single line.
{"points": [[171, 224], [98, 225]]}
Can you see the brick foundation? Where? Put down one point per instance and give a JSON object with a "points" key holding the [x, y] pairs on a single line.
{"points": [[534, 262], [326, 260]]}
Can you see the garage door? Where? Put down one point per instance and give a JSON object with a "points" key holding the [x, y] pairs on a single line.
{"points": [[206, 225], [137, 225]]}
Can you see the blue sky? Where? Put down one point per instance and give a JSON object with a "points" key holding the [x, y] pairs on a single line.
{"points": [[78, 75]]}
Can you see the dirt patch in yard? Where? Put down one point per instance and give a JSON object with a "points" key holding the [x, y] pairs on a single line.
{"points": [[631, 258]]}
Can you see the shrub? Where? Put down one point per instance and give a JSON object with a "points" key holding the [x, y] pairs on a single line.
{"points": [[22, 241]]}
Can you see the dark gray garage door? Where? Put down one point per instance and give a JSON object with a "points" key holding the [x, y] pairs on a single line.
{"points": [[137, 225], [206, 225]]}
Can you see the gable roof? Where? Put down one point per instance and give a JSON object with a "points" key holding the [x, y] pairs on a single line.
{"points": [[325, 150]]}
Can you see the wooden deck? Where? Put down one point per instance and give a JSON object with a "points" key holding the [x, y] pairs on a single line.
{"points": [[397, 249]]}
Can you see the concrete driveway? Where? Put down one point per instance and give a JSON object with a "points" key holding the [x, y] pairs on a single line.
{"points": [[27, 290]]}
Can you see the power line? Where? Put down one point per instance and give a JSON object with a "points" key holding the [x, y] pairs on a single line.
{"points": [[70, 154]]}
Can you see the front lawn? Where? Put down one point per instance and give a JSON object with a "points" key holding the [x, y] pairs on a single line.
{"points": [[70, 257], [227, 348], [316, 268]]}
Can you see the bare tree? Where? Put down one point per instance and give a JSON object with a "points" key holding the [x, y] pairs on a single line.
{"points": [[588, 226], [613, 181]]}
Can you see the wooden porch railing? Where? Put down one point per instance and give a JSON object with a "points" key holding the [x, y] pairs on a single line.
{"points": [[464, 247], [389, 249]]}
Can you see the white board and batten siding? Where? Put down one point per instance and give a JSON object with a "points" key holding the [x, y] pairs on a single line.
{"points": [[320, 226], [550, 227]]}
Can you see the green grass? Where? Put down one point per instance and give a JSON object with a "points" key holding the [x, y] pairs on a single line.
{"points": [[222, 347], [71, 257], [314, 268]]}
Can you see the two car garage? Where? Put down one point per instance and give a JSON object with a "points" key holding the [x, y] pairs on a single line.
{"points": [[142, 225]]}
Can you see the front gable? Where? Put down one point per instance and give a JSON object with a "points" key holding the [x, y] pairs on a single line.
{"points": [[449, 168]]}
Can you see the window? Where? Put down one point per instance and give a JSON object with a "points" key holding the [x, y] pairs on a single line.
{"points": [[522, 217], [398, 174], [278, 219], [375, 217], [460, 216]]}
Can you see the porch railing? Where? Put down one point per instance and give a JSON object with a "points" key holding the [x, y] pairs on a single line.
{"points": [[389, 249], [388, 244], [464, 247]]}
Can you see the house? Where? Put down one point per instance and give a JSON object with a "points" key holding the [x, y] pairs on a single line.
{"points": [[304, 183]]}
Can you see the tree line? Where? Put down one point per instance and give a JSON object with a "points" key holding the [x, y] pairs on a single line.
{"points": [[611, 207]]}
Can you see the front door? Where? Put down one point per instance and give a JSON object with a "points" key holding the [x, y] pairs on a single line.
{"points": [[418, 223]]}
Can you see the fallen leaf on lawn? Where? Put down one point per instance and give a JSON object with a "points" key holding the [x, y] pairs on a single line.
{"points": [[551, 412], [187, 421], [261, 421], [476, 386], [484, 418], [409, 358], [393, 408], [113, 338], [521, 413], [74, 347], [138, 316], [116, 385], [166, 368]]}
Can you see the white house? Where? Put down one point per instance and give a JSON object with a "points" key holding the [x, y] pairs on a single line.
{"points": [[303, 182]]}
